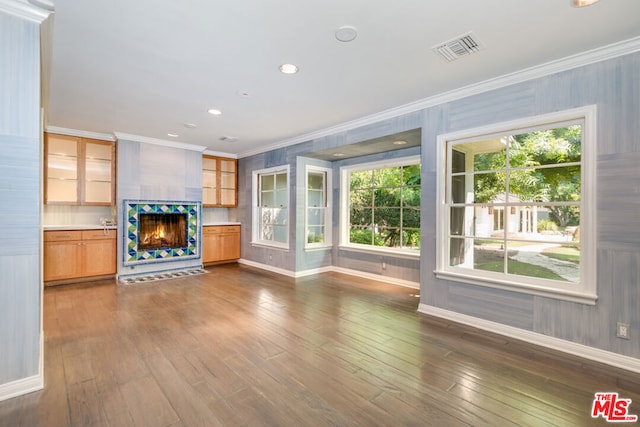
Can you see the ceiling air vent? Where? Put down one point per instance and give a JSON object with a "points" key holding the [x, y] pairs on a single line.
{"points": [[458, 47]]}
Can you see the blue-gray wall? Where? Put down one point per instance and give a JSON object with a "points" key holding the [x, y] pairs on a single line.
{"points": [[614, 86], [20, 145]]}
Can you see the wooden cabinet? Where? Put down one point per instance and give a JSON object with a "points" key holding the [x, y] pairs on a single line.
{"points": [[75, 254], [220, 243], [78, 171], [219, 181]]}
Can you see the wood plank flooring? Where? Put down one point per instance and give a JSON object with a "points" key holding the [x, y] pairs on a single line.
{"points": [[241, 347]]}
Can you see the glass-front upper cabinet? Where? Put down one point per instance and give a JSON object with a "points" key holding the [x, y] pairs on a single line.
{"points": [[209, 181], [79, 171], [219, 181]]}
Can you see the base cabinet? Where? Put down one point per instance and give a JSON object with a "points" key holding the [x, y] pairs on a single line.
{"points": [[220, 243], [77, 254]]}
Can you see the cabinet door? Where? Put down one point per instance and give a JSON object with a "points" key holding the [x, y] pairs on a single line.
{"points": [[228, 182], [99, 164], [210, 244], [99, 257], [209, 181], [62, 260], [61, 169], [230, 243]]}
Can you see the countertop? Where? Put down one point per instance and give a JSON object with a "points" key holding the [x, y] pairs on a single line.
{"points": [[77, 227]]}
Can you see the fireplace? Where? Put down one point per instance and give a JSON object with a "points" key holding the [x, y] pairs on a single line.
{"points": [[164, 230], [158, 231]]}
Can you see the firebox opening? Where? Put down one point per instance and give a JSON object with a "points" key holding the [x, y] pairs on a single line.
{"points": [[162, 231]]}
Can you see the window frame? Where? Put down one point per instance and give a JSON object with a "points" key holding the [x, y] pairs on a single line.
{"points": [[584, 291], [327, 196], [345, 187], [255, 200]]}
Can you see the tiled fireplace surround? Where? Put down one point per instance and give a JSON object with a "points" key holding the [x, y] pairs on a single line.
{"points": [[135, 254]]}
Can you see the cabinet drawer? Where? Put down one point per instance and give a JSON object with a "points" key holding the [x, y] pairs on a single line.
{"points": [[220, 229], [98, 234], [231, 229], [61, 236]]}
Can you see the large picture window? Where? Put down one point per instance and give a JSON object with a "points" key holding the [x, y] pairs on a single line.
{"points": [[270, 201], [517, 205], [383, 206]]}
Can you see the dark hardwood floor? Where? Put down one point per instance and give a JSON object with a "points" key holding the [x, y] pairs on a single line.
{"points": [[241, 347]]}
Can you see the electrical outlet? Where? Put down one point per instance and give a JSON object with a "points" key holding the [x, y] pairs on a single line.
{"points": [[384, 265], [622, 330]]}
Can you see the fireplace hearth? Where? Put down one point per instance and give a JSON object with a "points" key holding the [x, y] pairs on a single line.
{"points": [[158, 231]]}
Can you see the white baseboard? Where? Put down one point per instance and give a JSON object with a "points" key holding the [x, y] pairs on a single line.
{"points": [[313, 271], [328, 269], [377, 277], [580, 350], [20, 387], [270, 268]]}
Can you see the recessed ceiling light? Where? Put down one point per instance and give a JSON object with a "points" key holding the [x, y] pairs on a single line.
{"points": [[338, 154], [214, 111], [346, 33], [581, 3], [400, 142], [190, 125], [288, 68], [173, 135], [244, 94]]}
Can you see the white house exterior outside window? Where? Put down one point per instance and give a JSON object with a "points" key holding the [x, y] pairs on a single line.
{"points": [[516, 205], [318, 207], [270, 207]]}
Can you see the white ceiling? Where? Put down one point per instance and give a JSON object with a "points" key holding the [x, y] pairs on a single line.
{"points": [[147, 67]]}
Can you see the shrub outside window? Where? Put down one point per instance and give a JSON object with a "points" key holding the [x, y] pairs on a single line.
{"points": [[384, 206], [516, 208]]}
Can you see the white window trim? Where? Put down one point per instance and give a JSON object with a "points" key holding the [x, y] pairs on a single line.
{"points": [[345, 171], [582, 292], [255, 217], [327, 244]]}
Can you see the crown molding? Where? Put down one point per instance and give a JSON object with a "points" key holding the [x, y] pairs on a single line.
{"points": [[24, 9], [220, 154], [80, 133], [161, 142], [574, 61]]}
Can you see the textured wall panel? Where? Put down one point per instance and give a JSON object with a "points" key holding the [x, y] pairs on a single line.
{"points": [[20, 282]]}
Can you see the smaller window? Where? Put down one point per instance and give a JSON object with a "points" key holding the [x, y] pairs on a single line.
{"points": [[270, 203], [318, 207]]}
